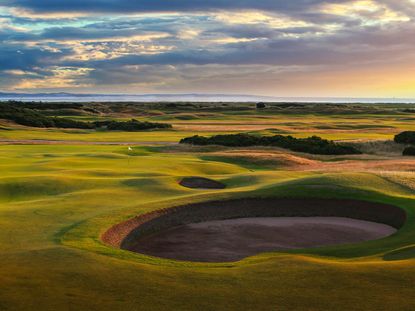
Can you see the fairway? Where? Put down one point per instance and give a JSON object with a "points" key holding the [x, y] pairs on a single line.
{"points": [[61, 192], [215, 155]]}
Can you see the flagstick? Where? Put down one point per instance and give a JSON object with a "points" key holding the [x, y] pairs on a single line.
{"points": [[128, 154]]}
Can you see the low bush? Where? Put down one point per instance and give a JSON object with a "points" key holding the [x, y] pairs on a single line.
{"points": [[313, 145], [30, 117], [45, 106], [135, 125], [407, 137], [409, 151]]}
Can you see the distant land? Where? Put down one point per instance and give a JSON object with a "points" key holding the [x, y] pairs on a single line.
{"points": [[73, 97]]}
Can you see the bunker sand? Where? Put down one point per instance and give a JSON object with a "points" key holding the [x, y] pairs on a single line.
{"points": [[230, 230], [201, 183], [235, 239]]}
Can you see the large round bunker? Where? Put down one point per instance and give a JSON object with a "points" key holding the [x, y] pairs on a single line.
{"points": [[222, 231]]}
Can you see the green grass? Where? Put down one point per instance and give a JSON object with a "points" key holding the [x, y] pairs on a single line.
{"points": [[56, 200], [63, 197]]}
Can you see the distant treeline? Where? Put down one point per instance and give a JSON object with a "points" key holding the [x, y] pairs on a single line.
{"points": [[313, 145], [30, 117], [44, 106], [408, 138]]}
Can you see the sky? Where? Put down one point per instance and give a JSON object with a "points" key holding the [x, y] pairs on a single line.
{"points": [[299, 48]]}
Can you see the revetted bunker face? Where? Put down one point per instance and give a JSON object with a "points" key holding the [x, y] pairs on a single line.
{"points": [[141, 229]]}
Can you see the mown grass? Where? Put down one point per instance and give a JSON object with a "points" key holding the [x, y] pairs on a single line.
{"points": [[52, 254], [56, 200]]}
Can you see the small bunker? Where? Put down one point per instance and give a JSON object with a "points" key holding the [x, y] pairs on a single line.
{"points": [[201, 183]]}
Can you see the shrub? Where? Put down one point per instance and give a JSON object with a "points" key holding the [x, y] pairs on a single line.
{"points": [[407, 137], [134, 125], [29, 117], [45, 106], [313, 145], [409, 151]]}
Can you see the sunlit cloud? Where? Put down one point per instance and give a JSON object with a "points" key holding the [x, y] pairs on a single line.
{"points": [[229, 40], [59, 77], [113, 49], [18, 72], [369, 11], [254, 17], [24, 13]]}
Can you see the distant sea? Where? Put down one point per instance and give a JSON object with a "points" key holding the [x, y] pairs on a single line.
{"points": [[68, 97]]}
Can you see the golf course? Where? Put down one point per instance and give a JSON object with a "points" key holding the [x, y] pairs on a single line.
{"points": [[88, 191]]}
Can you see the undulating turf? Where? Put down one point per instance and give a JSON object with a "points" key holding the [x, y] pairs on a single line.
{"points": [[56, 200]]}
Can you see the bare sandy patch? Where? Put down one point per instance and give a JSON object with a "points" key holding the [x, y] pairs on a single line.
{"points": [[253, 225], [235, 239]]}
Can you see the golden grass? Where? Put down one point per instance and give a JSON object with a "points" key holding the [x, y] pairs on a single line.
{"points": [[406, 179]]}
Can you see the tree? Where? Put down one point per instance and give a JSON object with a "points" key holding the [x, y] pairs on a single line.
{"points": [[407, 137], [260, 106], [409, 151]]}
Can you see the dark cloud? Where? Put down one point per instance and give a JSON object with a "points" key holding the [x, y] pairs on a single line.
{"points": [[89, 33], [260, 31], [162, 5], [15, 57]]}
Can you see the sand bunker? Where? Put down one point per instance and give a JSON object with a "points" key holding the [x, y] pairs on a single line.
{"points": [[235, 239], [201, 183], [222, 231]]}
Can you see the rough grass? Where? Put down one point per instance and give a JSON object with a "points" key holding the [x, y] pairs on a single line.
{"points": [[379, 147], [406, 179]]}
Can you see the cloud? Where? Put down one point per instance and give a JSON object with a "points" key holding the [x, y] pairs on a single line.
{"points": [[113, 6], [155, 45], [22, 58]]}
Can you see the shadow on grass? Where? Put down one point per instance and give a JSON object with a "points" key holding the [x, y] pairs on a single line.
{"points": [[400, 254]]}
